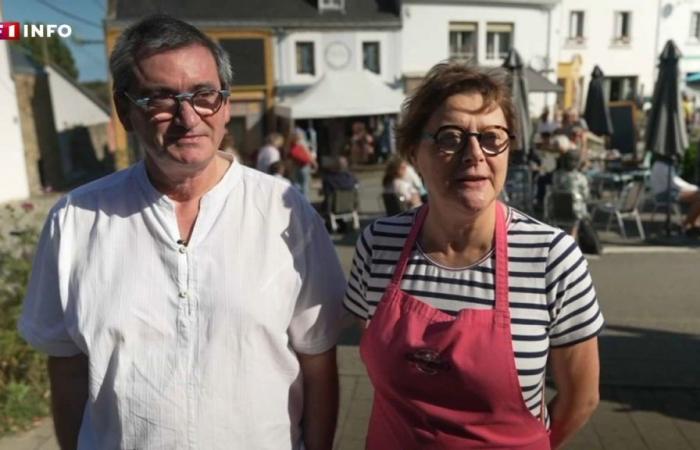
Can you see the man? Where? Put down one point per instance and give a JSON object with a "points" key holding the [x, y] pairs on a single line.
{"points": [[187, 302]]}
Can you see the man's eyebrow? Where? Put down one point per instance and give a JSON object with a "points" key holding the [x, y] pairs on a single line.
{"points": [[203, 86]]}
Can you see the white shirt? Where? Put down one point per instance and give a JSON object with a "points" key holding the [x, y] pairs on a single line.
{"points": [[267, 155], [659, 179], [189, 347]]}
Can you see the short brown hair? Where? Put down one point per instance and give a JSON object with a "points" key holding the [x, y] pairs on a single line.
{"points": [[443, 81]]}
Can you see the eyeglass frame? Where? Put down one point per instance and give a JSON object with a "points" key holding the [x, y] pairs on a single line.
{"points": [[179, 98], [468, 134]]}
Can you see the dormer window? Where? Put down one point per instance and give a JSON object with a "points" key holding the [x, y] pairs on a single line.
{"points": [[331, 5]]}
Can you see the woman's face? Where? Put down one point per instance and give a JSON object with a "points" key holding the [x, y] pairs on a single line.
{"points": [[469, 180]]}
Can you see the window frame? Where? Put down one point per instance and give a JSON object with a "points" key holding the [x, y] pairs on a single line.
{"points": [[378, 44], [459, 28], [297, 45], [574, 34], [497, 54], [331, 5], [694, 34], [619, 25]]}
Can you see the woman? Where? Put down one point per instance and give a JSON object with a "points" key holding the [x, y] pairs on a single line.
{"points": [[396, 181], [303, 161], [467, 299]]}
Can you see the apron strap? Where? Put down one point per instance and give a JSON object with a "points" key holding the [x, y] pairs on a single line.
{"points": [[408, 245], [501, 269]]}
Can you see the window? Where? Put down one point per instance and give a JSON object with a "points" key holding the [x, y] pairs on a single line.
{"points": [[305, 58], [499, 39], [249, 55], [334, 5], [623, 21], [370, 56], [695, 26], [462, 41], [576, 20]]}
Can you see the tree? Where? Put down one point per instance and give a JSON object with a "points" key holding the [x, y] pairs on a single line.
{"points": [[52, 48]]}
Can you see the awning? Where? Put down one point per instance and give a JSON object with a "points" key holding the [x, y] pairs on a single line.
{"points": [[693, 77], [343, 94], [539, 83]]}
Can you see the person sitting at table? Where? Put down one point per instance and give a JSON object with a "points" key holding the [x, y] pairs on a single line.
{"points": [[396, 182], [680, 191]]}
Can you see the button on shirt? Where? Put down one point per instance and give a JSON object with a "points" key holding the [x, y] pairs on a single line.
{"points": [[189, 346]]}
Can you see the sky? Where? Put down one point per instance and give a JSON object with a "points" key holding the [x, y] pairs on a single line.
{"points": [[85, 18]]}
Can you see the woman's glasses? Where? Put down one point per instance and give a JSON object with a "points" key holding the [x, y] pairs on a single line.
{"points": [[451, 139]]}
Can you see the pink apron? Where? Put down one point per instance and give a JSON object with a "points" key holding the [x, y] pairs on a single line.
{"points": [[444, 382]]}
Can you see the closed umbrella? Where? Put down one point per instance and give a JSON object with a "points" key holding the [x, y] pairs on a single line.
{"points": [[665, 132], [518, 183], [514, 64], [597, 112]]}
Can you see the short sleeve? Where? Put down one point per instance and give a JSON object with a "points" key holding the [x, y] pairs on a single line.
{"points": [[356, 291], [316, 322], [573, 305], [42, 322]]}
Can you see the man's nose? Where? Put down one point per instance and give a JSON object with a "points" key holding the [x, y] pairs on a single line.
{"points": [[186, 116]]}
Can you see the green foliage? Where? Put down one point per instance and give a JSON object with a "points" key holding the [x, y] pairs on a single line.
{"points": [[100, 89], [689, 161], [24, 390], [54, 48]]}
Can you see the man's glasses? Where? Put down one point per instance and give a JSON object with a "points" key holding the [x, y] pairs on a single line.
{"points": [[451, 139], [205, 102]]}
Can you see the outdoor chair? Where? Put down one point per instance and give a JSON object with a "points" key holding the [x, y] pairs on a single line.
{"points": [[393, 203], [660, 204], [343, 205], [559, 210], [626, 206]]}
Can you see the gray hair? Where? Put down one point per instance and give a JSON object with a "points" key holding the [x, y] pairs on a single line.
{"points": [[155, 34]]}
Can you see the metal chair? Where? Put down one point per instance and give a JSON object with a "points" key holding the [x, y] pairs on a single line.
{"points": [[626, 206], [343, 204]]}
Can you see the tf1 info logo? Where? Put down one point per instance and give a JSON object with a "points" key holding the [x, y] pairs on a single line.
{"points": [[14, 30]]}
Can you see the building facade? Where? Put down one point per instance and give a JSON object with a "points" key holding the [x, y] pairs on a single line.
{"points": [[13, 170]]}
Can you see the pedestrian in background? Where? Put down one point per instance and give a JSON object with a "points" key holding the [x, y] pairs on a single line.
{"points": [[187, 301], [465, 300], [270, 152], [302, 161]]}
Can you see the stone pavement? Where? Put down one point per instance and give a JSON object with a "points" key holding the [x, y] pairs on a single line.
{"points": [[650, 349]]}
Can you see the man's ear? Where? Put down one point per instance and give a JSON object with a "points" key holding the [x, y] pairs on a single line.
{"points": [[122, 107]]}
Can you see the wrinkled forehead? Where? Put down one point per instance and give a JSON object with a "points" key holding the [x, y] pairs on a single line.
{"points": [[178, 69]]}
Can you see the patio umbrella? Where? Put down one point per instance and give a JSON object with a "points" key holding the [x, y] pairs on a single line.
{"points": [[597, 112], [514, 65], [665, 131]]}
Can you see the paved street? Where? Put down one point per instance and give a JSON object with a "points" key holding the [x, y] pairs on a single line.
{"points": [[650, 350]]}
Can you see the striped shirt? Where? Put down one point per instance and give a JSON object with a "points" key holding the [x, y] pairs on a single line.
{"points": [[551, 296]]}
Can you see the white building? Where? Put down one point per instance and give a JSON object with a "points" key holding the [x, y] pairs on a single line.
{"points": [[13, 171], [620, 36], [482, 33], [680, 20]]}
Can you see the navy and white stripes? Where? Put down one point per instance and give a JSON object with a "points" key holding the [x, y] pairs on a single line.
{"points": [[552, 298]]}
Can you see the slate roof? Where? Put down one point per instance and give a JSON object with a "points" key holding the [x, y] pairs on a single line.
{"points": [[257, 13]]}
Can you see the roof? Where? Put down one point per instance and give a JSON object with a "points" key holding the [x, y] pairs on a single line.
{"points": [[539, 83], [260, 13], [343, 94]]}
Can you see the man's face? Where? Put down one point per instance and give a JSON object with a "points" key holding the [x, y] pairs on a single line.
{"points": [[186, 140]]}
